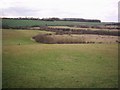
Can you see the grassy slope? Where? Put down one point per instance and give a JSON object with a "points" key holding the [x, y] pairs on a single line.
{"points": [[13, 36], [16, 23], [52, 65]]}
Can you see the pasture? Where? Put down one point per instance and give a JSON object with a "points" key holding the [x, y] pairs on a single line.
{"points": [[18, 23], [28, 64]]}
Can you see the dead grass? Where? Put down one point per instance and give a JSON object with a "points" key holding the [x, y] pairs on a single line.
{"points": [[86, 38]]}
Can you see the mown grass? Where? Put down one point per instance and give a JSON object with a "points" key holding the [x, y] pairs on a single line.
{"points": [[33, 65]]}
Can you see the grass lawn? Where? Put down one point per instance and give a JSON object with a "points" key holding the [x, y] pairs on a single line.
{"points": [[35, 65]]}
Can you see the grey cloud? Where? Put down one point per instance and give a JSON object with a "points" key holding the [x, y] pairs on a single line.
{"points": [[24, 11], [119, 11], [19, 11]]}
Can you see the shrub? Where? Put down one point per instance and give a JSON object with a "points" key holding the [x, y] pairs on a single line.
{"points": [[62, 39]]}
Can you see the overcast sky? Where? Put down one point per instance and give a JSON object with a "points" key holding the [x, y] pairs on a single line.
{"points": [[105, 10]]}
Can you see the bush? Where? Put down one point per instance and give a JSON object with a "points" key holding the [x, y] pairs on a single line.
{"points": [[60, 39]]}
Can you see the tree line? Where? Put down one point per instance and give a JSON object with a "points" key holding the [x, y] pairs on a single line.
{"points": [[55, 19]]}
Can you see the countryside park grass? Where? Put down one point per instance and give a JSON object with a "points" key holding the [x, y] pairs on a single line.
{"points": [[35, 65]]}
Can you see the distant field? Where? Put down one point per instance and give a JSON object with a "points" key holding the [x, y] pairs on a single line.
{"points": [[35, 65], [17, 23], [78, 28]]}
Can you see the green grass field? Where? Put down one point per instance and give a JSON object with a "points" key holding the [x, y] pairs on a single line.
{"points": [[35, 65], [17, 23]]}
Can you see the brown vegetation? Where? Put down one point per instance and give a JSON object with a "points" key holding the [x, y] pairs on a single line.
{"points": [[74, 39], [61, 31]]}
